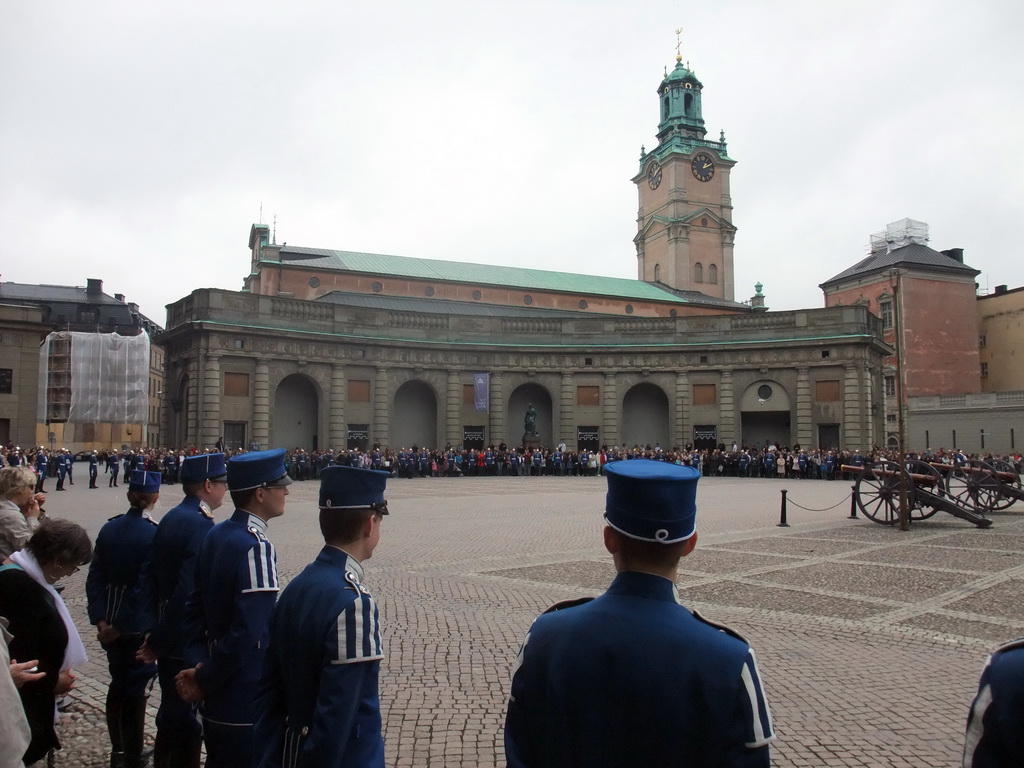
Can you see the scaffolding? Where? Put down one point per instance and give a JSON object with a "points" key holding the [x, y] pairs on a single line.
{"points": [[899, 234], [86, 378]]}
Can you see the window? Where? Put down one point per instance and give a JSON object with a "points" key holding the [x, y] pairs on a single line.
{"points": [[236, 384], [358, 391], [890, 386], [657, 272], [825, 354], [698, 273], [588, 395], [827, 391], [6, 380], [982, 341], [704, 394], [984, 370], [890, 418], [885, 312], [713, 274]]}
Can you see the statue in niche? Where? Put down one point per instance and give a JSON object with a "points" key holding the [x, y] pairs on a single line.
{"points": [[530, 421]]}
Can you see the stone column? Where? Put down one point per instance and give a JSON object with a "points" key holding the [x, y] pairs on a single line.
{"points": [[684, 422], [804, 427], [852, 435], [567, 411], [453, 425], [497, 411], [337, 436], [610, 411], [211, 426], [193, 393], [381, 431], [261, 405], [869, 416], [727, 410]]}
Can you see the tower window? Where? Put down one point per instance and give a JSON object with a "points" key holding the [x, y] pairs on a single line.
{"points": [[713, 274], [688, 103], [657, 272], [698, 273]]}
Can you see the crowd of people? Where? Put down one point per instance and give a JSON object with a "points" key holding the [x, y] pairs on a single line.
{"points": [[262, 679], [766, 461]]}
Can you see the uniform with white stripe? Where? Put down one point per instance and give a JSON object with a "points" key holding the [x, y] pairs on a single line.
{"points": [[995, 725], [633, 678], [319, 698], [228, 614]]}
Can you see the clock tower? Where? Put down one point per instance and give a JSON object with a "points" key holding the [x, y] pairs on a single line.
{"points": [[685, 232]]}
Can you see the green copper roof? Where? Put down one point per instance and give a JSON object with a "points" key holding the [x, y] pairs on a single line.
{"points": [[679, 72], [487, 274]]}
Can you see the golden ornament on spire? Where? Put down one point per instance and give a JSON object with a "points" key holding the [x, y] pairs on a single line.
{"points": [[679, 43]]}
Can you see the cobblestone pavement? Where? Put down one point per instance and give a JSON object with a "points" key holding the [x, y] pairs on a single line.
{"points": [[870, 640]]}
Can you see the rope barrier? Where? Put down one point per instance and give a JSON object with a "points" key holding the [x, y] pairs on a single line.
{"points": [[826, 509]]}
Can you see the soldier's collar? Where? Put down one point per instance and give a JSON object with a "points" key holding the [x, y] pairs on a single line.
{"points": [[257, 522]]}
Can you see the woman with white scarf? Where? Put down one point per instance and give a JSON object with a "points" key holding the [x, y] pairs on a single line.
{"points": [[40, 622]]}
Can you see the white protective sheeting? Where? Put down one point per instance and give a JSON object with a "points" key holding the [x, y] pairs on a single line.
{"points": [[109, 375]]}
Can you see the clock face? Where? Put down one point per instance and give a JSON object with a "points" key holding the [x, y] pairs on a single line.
{"points": [[703, 167], [654, 175]]}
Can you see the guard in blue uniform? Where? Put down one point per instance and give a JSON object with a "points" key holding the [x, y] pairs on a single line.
{"points": [[42, 460], [121, 611], [995, 725], [94, 469], [179, 537], [319, 701], [633, 678], [113, 467], [228, 614]]}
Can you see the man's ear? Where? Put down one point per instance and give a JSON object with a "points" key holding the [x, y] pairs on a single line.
{"points": [[368, 526], [690, 544], [611, 540]]}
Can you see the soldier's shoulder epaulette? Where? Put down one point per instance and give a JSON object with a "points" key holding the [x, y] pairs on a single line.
{"points": [[109, 519], [719, 627], [149, 519], [206, 513], [260, 535], [1013, 645], [568, 604]]}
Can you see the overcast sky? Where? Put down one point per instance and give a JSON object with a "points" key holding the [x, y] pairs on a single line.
{"points": [[138, 141]]}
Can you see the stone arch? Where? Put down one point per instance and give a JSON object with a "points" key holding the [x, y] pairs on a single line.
{"points": [[414, 416], [296, 410], [713, 274], [521, 397], [179, 403], [645, 416]]}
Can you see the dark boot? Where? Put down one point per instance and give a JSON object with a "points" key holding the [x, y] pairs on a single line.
{"points": [[180, 752], [115, 705], [133, 724]]}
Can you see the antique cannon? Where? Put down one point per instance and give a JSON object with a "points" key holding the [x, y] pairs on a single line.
{"points": [[878, 488], [985, 485]]}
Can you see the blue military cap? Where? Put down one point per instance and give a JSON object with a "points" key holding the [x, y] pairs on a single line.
{"points": [[205, 466], [353, 488], [651, 500], [143, 481], [259, 469]]}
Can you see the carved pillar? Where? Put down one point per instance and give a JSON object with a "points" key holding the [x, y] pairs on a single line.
{"points": [[870, 416], [684, 420], [454, 401], [261, 405], [610, 411], [567, 412], [852, 436], [497, 412], [381, 426], [337, 436], [727, 410], [211, 427], [804, 426]]}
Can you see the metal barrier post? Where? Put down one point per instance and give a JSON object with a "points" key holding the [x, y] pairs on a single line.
{"points": [[782, 522], [853, 502]]}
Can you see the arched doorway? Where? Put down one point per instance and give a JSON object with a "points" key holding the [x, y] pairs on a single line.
{"points": [[645, 417], [296, 414], [765, 414], [414, 416], [521, 399]]}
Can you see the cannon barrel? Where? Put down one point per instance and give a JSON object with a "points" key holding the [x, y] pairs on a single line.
{"points": [[1004, 477], [918, 479]]}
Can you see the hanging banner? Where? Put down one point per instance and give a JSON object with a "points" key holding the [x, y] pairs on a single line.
{"points": [[481, 390]]}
